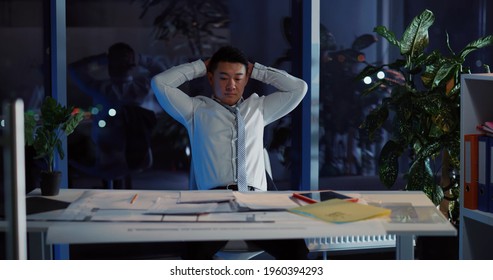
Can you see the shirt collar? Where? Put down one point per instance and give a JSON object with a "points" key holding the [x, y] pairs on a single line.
{"points": [[231, 108]]}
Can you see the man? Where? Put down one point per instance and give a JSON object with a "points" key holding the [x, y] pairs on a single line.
{"points": [[212, 126]]}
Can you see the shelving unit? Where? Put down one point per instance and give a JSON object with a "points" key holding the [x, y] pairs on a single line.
{"points": [[476, 227]]}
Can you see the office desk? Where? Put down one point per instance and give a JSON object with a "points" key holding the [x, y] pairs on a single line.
{"points": [[264, 225]]}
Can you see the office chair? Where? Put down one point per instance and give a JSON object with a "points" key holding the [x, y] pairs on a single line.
{"points": [[240, 249]]}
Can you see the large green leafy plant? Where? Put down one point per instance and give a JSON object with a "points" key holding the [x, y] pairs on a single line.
{"points": [[423, 106], [44, 131]]}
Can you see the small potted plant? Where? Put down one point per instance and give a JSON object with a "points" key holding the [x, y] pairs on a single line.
{"points": [[43, 132]]}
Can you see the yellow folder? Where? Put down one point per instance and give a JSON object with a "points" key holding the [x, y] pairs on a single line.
{"points": [[340, 211]]}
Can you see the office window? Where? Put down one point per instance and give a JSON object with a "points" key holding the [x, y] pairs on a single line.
{"points": [[261, 29], [346, 47], [126, 146], [94, 26], [348, 158], [22, 56]]}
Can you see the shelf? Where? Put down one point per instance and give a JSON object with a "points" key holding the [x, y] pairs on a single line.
{"points": [[476, 227], [480, 76], [476, 101], [480, 216]]}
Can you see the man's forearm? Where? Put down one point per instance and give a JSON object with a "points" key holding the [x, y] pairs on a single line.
{"points": [[290, 91], [178, 75]]}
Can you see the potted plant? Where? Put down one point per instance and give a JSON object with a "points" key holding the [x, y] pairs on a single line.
{"points": [[43, 132], [424, 106]]}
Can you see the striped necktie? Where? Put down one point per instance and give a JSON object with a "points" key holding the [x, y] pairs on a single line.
{"points": [[241, 153]]}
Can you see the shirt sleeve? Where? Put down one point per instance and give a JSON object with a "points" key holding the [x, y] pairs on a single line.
{"points": [[173, 100], [290, 91]]}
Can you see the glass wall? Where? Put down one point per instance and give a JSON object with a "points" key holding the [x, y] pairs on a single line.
{"points": [[348, 43], [151, 150], [193, 29], [97, 150], [348, 157]]}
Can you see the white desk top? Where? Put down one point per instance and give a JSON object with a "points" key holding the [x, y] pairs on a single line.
{"points": [[264, 225]]}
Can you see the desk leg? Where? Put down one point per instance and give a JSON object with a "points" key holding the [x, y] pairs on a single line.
{"points": [[404, 245], [38, 250]]}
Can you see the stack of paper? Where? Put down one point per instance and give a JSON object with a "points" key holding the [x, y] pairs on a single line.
{"points": [[340, 211]]}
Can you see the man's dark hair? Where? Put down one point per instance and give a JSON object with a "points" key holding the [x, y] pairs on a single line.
{"points": [[121, 58], [227, 54]]}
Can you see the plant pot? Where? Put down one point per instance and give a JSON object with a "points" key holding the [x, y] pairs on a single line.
{"points": [[50, 183]]}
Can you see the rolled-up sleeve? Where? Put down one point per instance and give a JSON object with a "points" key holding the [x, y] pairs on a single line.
{"points": [[173, 100], [290, 91]]}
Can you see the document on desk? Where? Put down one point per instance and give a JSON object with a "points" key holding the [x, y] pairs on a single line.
{"points": [[118, 215], [91, 204], [233, 217], [206, 196], [265, 201], [341, 211], [122, 199], [166, 207]]}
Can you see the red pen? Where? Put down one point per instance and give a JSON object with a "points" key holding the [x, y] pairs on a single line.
{"points": [[304, 198]]}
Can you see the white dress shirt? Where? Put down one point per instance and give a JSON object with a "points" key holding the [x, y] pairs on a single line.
{"points": [[212, 127]]}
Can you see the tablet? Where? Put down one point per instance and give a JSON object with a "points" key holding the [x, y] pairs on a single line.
{"points": [[318, 196]]}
